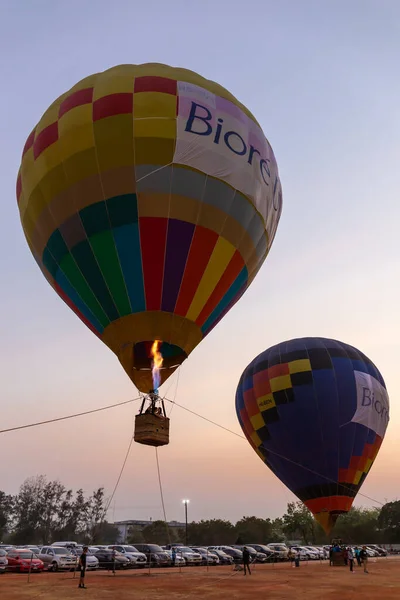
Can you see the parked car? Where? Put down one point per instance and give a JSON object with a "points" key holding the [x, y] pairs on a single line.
{"points": [[323, 552], [67, 544], [3, 561], [236, 554], [138, 559], [22, 561], [34, 549], [223, 557], [302, 552], [280, 549], [179, 560], [316, 553], [254, 555], [378, 549], [191, 556], [155, 555], [111, 559], [268, 552], [56, 558], [92, 562], [207, 557]]}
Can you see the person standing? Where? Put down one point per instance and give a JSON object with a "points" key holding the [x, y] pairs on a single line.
{"points": [[364, 558], [291, 557], [357, 553], [82, 568], [350, 556], [246, 560]]}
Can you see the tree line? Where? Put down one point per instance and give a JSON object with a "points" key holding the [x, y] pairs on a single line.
{"points": [[45, 511], [358, 526]]}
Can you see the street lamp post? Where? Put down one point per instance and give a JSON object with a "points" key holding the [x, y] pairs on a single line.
{"points": [[186, 502]]}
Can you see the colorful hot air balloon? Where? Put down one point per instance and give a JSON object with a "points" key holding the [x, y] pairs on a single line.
{"points": [[149, 198], [315, 411]]}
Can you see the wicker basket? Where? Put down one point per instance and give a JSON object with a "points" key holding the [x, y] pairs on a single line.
{"points": [[338, 559], [151, 430]]}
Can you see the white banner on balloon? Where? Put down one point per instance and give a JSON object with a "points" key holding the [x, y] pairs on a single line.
{"points": [[372, 403], [217, 138]]}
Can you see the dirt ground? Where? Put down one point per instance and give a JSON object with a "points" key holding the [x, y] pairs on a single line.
{"points": [[314, 581]]}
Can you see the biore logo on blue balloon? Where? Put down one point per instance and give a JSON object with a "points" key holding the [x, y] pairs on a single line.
{"points": [[372, 403], [199, 123]]}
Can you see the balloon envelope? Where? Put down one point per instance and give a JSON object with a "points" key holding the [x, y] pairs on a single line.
{"points": [[149, 197], [316, 411]]}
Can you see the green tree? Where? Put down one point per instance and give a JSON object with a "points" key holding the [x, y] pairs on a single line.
{"points": [[28, 511], [389, 522], [106, 533], [211, 532], [6, 507], [159, 533], [359, 525], [277, 534], [94, 515], [51, 500], [254, 530], [135, 535], [298, 522]]}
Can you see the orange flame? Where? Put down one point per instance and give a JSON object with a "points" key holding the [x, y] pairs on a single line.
{"points": [[156, 363]]}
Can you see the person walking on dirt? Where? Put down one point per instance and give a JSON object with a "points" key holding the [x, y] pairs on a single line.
{"points": [[82, 568], [350, 556], [246, 560], [364, 558]]}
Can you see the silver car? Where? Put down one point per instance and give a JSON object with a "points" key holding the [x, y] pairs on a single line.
{"points": [[56, 558], [179, 560], [138, 559], [191, 556]]}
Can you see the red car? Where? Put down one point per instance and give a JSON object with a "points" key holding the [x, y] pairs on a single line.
{"points": [[22, 560]]}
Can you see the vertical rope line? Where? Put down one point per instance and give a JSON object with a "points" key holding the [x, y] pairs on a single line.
{"points": [[162, 496]]}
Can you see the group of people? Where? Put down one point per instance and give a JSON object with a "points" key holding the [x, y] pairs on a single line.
{"points": [[349, 555]]}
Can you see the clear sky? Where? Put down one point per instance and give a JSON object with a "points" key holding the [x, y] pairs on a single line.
{"points": [[322, 79]]}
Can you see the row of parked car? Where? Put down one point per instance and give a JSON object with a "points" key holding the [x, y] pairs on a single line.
{"points": [[64, 555]]}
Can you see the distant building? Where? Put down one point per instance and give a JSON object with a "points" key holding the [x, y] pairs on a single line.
{"points": [[124, 526]]}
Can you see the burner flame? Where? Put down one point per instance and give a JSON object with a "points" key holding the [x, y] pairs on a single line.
{"points": [[156, 364]]}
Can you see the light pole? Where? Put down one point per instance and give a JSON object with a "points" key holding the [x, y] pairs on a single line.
{"points": [[186, 502]]}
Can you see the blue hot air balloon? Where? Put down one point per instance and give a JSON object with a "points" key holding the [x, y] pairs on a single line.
{"points": [[315, 410]]}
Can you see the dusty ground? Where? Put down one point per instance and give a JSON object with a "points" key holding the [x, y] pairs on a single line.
{"points": [[312, 581]]}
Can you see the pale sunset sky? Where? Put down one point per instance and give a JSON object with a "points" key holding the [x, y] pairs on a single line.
{"points": [[321, 77]]}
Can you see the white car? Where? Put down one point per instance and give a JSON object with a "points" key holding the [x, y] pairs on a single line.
{"points": [[92, 562], [138, 559], [190, 556], [207, 557], [316, 553], [300, 551], [179, 560], [281, 550], [305, 553]]}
